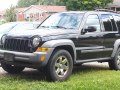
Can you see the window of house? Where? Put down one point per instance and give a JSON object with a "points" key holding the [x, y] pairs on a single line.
{"points": [[117, 9], [93, 21], [41, 15]]}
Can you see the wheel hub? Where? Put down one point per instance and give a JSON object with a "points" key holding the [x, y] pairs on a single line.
{"points": [[61, 66], [118, 59]]}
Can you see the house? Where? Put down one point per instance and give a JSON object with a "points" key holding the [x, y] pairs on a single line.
{"points": [[37, 12], [2, 15], [115, 6], [19, 14]]}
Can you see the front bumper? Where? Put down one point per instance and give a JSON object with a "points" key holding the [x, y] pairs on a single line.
{"points": [[26, 59]]}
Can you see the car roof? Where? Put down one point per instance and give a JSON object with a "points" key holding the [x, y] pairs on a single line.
{"points": [[74, 12], [83, 12]]}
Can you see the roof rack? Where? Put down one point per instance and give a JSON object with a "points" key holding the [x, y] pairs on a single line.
{"points": [[105, 10]]}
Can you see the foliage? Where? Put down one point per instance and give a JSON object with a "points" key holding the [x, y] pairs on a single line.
{"points": [[2, 21], [71, 4], [83, 78], [27, 3], [49, 2], [10, 14], [84, 4]]}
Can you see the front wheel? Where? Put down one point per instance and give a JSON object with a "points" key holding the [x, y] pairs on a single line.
{"points": [[60, 66], [114, 64], [12, 68]]}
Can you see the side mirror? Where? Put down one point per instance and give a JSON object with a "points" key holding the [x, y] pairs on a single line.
{"points": [[89, 29]]}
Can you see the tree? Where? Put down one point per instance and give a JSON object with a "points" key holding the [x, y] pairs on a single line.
{"points": [[84, 4], [27, 3], [70, 4], [10, 14]]}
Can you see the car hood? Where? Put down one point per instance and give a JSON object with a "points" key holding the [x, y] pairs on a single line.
{"points": [[41, 32]]}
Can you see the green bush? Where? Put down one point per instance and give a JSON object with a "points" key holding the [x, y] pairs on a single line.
{"points": [[2, 22]]}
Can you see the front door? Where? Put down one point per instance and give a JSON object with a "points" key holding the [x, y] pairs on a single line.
{"points": [[90, 44]]}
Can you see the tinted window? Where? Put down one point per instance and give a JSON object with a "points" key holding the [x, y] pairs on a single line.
{"points": [[93, 21], [113, 23], [108, 22], [117, 20]]}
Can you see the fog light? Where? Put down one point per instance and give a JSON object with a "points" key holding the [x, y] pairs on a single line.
{"points": [[42, 58], [43, 49]]}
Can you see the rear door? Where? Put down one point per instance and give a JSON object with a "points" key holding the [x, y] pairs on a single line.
{"points": [[110, 33]]}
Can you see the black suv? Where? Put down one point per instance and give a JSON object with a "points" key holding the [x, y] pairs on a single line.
{"points": [[62, 41]]}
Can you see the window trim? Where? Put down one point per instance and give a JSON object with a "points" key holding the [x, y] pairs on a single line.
{"points": [[116, 21], [111, 23], [98, 19]]}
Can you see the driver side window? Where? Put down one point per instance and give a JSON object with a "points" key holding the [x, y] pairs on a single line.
{"points": [[93, 21]]}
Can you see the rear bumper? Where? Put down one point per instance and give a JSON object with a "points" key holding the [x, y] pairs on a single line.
{"points": [[27, 59]]}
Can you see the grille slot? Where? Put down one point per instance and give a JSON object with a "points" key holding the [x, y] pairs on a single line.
{"points": [[21, 45]]}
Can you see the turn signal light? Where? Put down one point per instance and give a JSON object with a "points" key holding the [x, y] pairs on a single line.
{"points": [[42, 58], [43, 49]]}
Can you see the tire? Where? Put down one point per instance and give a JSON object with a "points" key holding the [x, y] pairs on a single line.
{"points": [[42, 70], [11, 68], [114, 64], [60, 66], [78, 64]]}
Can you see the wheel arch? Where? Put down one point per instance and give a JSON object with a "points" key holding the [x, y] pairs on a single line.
{"points": [[67, 48], [116, 46], [62, 44]]}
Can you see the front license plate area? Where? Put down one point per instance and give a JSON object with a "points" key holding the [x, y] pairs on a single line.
{"points": [[8, 57]]}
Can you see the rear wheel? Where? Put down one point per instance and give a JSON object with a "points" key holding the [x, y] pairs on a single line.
{"points": [[12, 68], [114, 64], [60, 66]]}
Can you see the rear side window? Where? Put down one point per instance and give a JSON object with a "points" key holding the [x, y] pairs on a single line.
{"points": [[108, 22], [117, 20]]}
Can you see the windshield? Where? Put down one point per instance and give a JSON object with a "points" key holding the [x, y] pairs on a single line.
{"points": [[63, 20], [23, 26], [6, 27]]}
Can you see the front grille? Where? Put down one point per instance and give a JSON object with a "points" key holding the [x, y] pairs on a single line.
{"points": [[21, 45]]}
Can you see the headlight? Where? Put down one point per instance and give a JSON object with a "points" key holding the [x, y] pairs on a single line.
{"points": [[36, 41], [3, 39]]}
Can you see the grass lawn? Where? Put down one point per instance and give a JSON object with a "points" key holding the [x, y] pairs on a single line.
{"points": [[85, 77]]}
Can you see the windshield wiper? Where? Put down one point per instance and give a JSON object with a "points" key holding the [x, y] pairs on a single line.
{"points": [[44, 26], [60, 27], [56, 27]]}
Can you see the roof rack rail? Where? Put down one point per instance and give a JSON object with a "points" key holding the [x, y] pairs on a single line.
{"points": [[105, 10]]}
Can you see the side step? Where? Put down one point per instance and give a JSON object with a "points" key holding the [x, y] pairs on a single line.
{"points": [[93, 60]]}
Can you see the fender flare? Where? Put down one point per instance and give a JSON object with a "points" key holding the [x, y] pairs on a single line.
{"points": [[116, 46], [61, 42]]}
